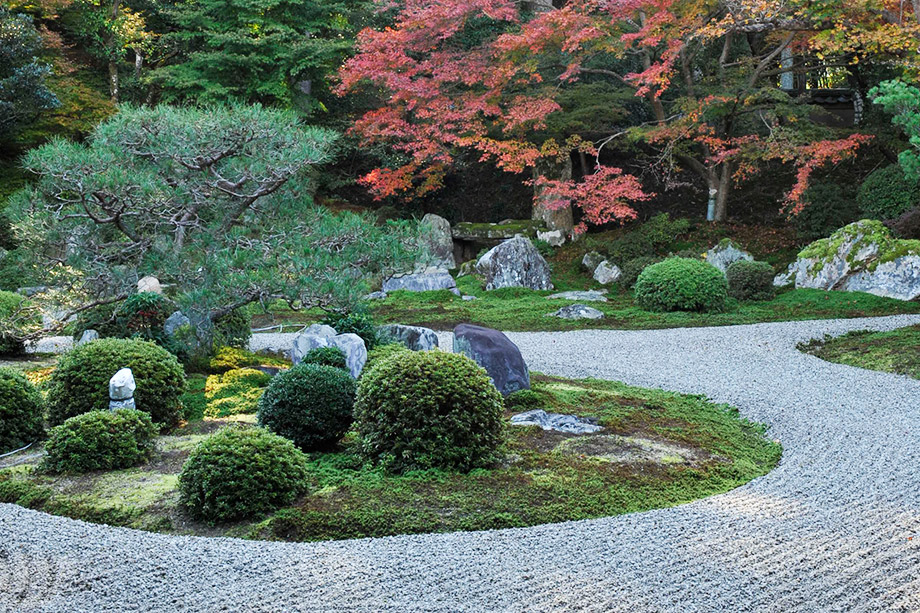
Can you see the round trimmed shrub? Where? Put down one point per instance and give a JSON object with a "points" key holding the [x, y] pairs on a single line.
{"points": [[681, 284], [326, 356], [21, 411], [100, 440], [10, 343], [887, 194], [749, 280], [80, 383], [309, 404], [429, 409], [241, 472]]}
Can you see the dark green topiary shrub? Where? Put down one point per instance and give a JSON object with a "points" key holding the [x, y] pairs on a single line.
{"points": [[21, 411], [523, 400], [681, 284], [429, 409], [12, 319], [233, 329], [631, 270], [100, 440], [241, 472], [361, 324], [887, 194], [310, 405], [80, 383], [828, 206], [750, 280], [326, 356]]}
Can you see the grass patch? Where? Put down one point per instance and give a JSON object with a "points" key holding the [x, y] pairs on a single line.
{"points": [[895, 351], [540, 480]]}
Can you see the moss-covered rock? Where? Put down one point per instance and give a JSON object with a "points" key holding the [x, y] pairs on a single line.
{"points": [[496, 231], [862, 256]]}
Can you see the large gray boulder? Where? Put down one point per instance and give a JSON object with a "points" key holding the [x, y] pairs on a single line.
{"points": [[354, 349], [415, 338], [174, 322], [578, 311], [496, 353], [591, 261], [725, 254], [514, 263], [860, 257], [310, 338], [437, 237], [607, 273], [430, 279], [591, 295]]}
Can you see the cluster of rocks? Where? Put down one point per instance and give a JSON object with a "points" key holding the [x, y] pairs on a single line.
{"points": [[860, 257], [321, 335], [571, 424]]}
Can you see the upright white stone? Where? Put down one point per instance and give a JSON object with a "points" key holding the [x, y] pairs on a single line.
{"points": [[149, 284], [121, 390]]}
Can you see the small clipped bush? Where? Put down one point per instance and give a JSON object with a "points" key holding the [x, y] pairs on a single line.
{"points": [[142, 315], [233, 329], [239, 473], [681, 284], [235, 392], [80, 383], [100, 440], [429, 409], [326, 356], [361, 324], [11, 305], [523, 400], [309, 404], [750, 280], [382, 353], [21, 411], [887, 194]]}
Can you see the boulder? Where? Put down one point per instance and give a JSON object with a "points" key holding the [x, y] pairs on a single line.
{"points": [[354, 349], [588, 296], [555, 238], [121, 390], [591, 260], [607, 273], [415, 338], [427, 280], [860, 257], [467, 297], [577, 311], [556, 421], [174, 322], [88, 336], [310, 338], [496, 353], [149, 284], [376, 296], [725, 254], [514, 263], [438, 238]]}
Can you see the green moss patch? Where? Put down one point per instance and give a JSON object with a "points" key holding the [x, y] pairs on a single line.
{"points": [[692, 448], [895, 351]]}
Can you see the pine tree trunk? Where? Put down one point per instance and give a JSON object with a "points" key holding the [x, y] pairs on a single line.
{"points": [[554, 218]]}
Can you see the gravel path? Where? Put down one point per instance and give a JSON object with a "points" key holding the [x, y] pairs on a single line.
{"points": [[836, 527]]}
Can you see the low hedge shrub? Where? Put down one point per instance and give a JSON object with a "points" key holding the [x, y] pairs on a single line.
{"points": [[241, 472], [429, 409], [100, 440], [21, 411], [749, 280]]}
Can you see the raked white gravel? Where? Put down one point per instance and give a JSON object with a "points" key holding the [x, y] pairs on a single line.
{"points": [[836, 527]]}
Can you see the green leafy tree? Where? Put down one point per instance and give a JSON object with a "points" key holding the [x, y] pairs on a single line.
{"points": [[267, 51], [215, 201], [903, 102], [23, 93]]}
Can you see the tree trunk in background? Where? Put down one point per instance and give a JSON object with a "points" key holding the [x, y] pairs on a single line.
{"points": [[555, 219], [720, 184], [109, 41]]}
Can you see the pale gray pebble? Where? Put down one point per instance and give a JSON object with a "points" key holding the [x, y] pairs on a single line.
{"points": [[835, 527]]}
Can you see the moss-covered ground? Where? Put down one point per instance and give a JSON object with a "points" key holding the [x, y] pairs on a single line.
{"points": [[544, 477], [895, 351]]}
